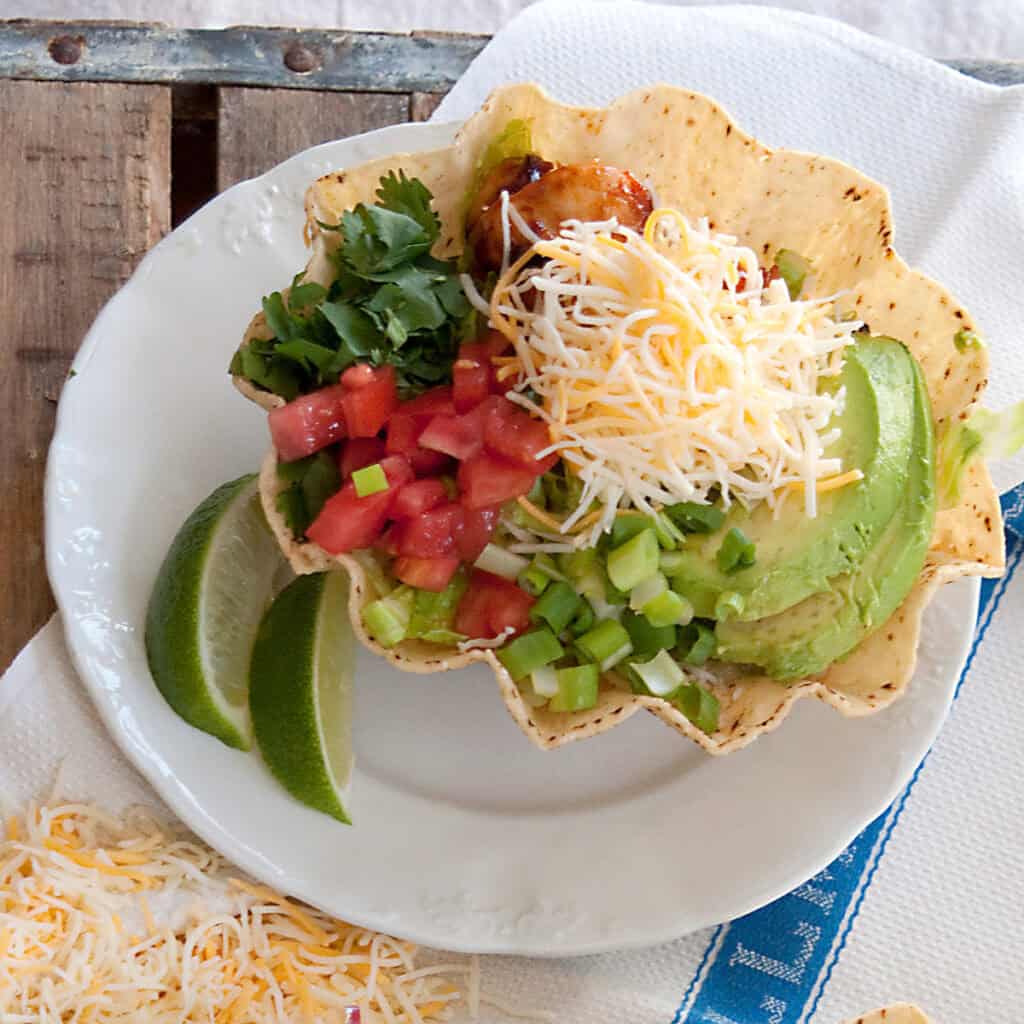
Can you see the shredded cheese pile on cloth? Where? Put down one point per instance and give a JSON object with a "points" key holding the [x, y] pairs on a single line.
{"points": [[88, 934], [666, 370]]}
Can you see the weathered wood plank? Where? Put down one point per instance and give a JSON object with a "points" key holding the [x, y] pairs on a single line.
{"points": [[282, 58], [423, 104], [259, 128], [84, 192]]}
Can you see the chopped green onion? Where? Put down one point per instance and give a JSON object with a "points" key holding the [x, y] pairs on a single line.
{"points": [[577, 688], [529, 694], [584, 618], [626, 527], [584, 569], [631, 563], [699, 705], [523, 518], [544, 682], [563, 492], [670, 562], [646, 639], [533, 580], [729, 604], [370, 480], [387, 618], [557, 606], [793, 269], [607, 644], [668, 609], [696, 642], [965, 339], [436, 611], [646, 591], [546, 564], [692, 517], [530, 651], [661, 675], [578, 564], [736, 552], [669, 535], [500, 562]]}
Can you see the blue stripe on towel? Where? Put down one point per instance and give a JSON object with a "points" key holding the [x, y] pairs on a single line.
{"points": [[772, 966]]}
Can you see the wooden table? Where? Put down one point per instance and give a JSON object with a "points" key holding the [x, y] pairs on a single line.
{"points": [[111, 135]]}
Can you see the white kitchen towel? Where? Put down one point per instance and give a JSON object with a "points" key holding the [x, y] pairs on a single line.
{"points": [[925, 904]]}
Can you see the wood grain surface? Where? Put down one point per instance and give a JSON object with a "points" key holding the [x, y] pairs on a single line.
{"points": [[258, 128], [84, 193]]}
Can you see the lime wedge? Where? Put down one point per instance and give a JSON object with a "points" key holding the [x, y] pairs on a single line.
{"points": [[300, 690], [205, 609]]}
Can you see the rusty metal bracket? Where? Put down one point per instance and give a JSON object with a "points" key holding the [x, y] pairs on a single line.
{"points": [[273, 57]]}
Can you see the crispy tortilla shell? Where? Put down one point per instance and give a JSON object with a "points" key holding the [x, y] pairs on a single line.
{"points": [[697, 160]]}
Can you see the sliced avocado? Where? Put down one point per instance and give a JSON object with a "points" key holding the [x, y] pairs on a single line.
{"points": [[805, 639], [796, 556]]}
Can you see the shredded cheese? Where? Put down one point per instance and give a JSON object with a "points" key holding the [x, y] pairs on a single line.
{"points": [[70, 915], [666, 372]]}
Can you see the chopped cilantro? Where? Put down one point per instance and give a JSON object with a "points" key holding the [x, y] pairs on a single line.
{"points": [[311, 481], [391, 302]]}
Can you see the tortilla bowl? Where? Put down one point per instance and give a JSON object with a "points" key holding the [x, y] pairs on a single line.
{"points": [[697, 160]]}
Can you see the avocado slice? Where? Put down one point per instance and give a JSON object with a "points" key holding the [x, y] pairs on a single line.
{"points": [[805, 639], [797, 556]]}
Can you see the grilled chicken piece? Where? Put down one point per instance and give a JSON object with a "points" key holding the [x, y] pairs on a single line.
{"points": [[586, 192]]}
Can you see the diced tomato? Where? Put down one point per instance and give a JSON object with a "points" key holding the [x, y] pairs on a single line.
{"points": [[511, 610], [471, 382], [308, 423], [407, 423], [490, 605], [431, 534], [473, 532], [359, 452], [418, 497], [516, 435], [397, 470], [473, 375], [461, 437], [348, 522], [358, 376], [428, 463], [430, 403], [490, 480], [368, 406], [471, 617], [426, 573], [403, 433]]}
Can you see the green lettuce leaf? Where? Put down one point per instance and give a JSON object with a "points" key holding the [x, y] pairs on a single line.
{"points": [[986, 435]]}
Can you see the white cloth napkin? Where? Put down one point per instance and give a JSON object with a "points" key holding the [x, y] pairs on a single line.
{"points": [[925, 905]]}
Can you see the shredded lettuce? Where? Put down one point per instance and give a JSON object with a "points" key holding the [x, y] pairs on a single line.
{"points": [[986, 435]]}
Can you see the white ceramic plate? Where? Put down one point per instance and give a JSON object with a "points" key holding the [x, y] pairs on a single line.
{"points": [[466, 837]]}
